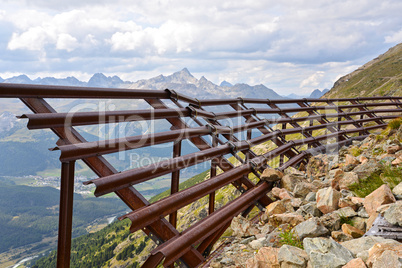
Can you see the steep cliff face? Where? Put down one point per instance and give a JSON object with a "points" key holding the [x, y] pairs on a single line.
{"points": [[380, 77]]}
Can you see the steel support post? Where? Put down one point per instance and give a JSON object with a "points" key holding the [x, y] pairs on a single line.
{"points": [[174, 188], [65, 214], [211, 207]]}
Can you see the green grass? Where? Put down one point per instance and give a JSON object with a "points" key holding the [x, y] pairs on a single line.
{"points": [[388, 174], [288, 237], [395, 123]]}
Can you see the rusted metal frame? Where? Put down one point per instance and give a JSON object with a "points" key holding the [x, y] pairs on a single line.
{"points": [[371, 113], [65, 214], [108, 184], [339, 110], [211, 203], [215, 102], [276, 140], [201, 144], [11, 90], [206, 246], [83, 150], [293, 124], [216, 128], [40, 121], [231, 137], [88, 149], [159, 231], [146, 215], [174, 248], [174, 187], [323, 120]]}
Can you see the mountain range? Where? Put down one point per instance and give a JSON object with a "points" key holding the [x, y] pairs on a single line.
{"points": [[182, 81]]}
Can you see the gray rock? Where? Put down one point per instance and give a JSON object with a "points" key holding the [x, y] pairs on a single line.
{"points": [[310, 228], [247, 240], [325, 252], [303, 188], [331, 221], [259, 243], [310, 197], [347, 212], [289, 256], [397, 191], [227, 261], [289, 181], [366, 169], [394, 213], [362, 213], [310, 209], [360, 246]]}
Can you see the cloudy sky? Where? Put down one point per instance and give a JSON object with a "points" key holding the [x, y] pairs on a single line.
{"points": [[291, 46]]}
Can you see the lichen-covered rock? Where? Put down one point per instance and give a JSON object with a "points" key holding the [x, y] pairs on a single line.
{"points": [[381, 196], [325, 252]]}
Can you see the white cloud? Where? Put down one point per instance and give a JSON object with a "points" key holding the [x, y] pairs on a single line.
{"points": [[313, 80], [287, 45], [394, 38], [66, 42]]}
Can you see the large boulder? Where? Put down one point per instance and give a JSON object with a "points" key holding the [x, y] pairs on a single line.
{"points": [[385, 255], [327, 200], [366, 169], [289, 256], [360, 246], [271, 175], [381, 196], [348, 179], [289, 181], [325, 252], [310, 228], [317, 167], [276, 207], [394, 213], [352, 231], [303, 188], [265, 257]]}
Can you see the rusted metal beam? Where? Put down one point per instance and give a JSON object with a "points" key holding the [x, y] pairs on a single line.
{"points": [[10, 90], [65, 214], [146, 215], [174, 248], [51, 120]]}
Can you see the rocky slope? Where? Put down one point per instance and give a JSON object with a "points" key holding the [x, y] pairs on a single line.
{"points": [[380, 77], [322, 211]]}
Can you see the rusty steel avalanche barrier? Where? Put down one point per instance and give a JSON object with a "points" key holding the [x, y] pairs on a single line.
{"points": [[261, 133]]}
